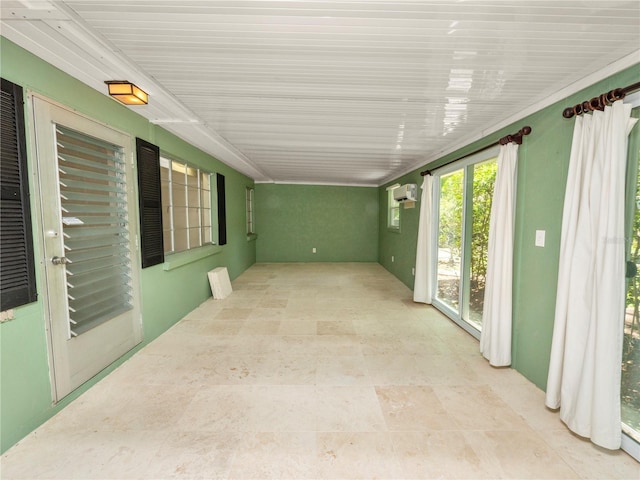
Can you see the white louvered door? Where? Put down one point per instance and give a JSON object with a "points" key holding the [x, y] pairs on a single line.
{"points": [[86, 195]]}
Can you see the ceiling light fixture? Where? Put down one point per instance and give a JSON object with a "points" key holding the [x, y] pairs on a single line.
{"points": [[127, 93]]}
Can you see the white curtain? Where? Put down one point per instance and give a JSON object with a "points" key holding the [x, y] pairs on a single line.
{"points": [[423, 278], [586, 352], [495, 338]]}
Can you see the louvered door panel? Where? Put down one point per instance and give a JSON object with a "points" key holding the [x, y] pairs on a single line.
{"points": [[95, 229]]}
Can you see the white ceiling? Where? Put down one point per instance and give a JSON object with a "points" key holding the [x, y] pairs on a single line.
{"points": [[332, 92]]}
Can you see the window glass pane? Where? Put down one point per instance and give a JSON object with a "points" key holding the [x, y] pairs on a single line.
{"points": [[179, 217], [205, 181], [178, 194], [193, 196], [166, 237], [484, 175], [166, 217], [207, 235], [192, 177], [205, 201], [164, 172], [194, 238], [393, 211], [166, 194], [450, 238], [395, 217], [180, 238], [194, 217], [178, 173], [206, 217]]}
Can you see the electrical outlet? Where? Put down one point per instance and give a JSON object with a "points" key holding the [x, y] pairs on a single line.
{"points": [[313, 250], [393, 259]]}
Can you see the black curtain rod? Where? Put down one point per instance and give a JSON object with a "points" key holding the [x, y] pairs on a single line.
{"points": [[515, 137], [599, 102]]}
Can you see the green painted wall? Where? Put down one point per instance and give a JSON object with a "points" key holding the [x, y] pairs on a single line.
{"points": [[340, 222], [25, 395], [542, 173]]}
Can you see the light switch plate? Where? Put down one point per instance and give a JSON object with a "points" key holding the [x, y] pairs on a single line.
{"points": [[540, 234]]}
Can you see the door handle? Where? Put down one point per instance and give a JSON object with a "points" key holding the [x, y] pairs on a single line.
{"points": [[60, 260]]}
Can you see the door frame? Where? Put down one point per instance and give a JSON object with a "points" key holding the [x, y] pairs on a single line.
{"points": [[462, 164], [41, 195]]}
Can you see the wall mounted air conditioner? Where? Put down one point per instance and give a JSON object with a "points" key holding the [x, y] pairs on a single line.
{"points": [[405, 193]]}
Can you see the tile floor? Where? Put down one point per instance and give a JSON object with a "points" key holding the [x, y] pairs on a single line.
{"points": [[317, 371]]}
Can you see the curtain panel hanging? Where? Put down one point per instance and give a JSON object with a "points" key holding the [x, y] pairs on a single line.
{"points": [[422, 289], [495, 338], [585, 365]]}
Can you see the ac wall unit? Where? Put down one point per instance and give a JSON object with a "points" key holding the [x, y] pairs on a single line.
{"points": [[405, 193]]}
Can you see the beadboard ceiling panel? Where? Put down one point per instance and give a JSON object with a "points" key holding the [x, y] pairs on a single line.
{"points": [[331, 92]]}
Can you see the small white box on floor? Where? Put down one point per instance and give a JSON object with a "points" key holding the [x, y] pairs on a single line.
{"points": [[220, 284]]}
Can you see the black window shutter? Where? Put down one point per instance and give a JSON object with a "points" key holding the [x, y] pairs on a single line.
{"points": [[17, 268], [222, 210], [149, 194]]}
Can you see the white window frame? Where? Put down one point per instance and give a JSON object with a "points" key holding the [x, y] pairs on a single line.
{"points": [[251, 229], [392, 206], [205, 232]]}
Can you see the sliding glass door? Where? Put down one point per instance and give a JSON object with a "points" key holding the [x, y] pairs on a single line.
{"points": [[463, 191]]}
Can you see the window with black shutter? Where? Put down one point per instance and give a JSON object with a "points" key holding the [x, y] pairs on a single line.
{"points": [[222, 211], [149, 194], [17, 269]]}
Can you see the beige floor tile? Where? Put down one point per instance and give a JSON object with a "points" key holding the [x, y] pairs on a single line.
{"points": [[477, 407], [233, 313], [143, 407], [441, 455], [588, 460], [208, 326], [497, 376], [397, 369], [380, 345], [357, 455], [341, 370], [413, 408], [220, 408], [297, 327], [527, 400], [341, 327], [195, 455], [348, 409], [337, 345], [260, 327], [320, 371], [265, 370], [520, 454], [282, 408], [82, 454], [264, 455], [260, 313], [270, 302]]}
